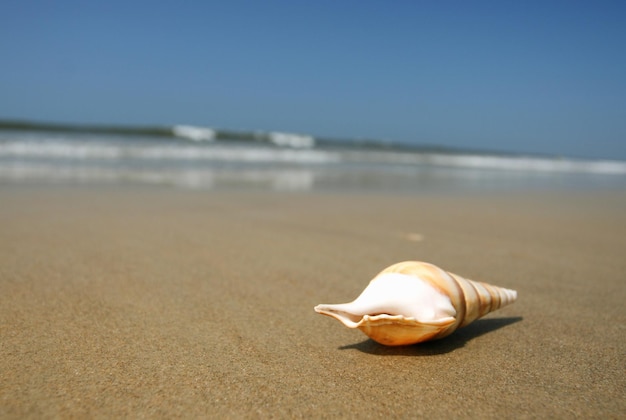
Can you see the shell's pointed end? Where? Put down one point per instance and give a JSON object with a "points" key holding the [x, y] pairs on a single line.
{"points": [[507, 296]]}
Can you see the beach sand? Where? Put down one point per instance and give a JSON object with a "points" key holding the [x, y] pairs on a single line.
{"points": [[167, 303]]}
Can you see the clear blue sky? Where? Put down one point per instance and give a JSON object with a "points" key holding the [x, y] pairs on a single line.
{"points": [[545, 76]]}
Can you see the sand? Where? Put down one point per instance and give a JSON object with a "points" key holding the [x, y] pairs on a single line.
{"points": [[164, 303]]}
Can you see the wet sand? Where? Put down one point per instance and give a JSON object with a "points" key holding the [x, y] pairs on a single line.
{"points": [[161, 303]]}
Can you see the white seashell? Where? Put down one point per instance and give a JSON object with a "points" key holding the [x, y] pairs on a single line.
{"points": [[412, 301]]}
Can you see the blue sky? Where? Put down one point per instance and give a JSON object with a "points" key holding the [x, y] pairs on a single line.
{"points": [[544, 77]]}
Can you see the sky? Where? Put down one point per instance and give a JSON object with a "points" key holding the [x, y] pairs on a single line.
{"points": [[514, 76]]}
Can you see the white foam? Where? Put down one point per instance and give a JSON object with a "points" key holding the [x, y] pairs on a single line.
{"points": [[79, 150], [60, 149], [294, 149], [291, 140], [190, 178], [492, 162], [534, 164], [531, 164], [194, 133]]}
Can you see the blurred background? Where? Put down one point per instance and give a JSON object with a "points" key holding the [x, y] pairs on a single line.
{"points": [[407, 95]]}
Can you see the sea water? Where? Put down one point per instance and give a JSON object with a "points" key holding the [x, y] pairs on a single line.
{"points": [[202, 158]]}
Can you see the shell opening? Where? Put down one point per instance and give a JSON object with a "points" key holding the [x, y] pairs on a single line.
{"points": [[394, 295]]}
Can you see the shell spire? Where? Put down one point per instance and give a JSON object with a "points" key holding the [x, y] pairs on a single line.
{"points": [[411, 302]]}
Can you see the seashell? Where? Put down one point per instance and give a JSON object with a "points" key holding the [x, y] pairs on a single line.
{"points": [[412, 301]]}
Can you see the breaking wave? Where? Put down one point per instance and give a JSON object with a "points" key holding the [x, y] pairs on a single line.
{"points": [[199, 156]]}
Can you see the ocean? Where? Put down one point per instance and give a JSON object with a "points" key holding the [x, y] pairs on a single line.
{"points": [[190, 157]]}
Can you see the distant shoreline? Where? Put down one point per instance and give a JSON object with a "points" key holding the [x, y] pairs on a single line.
{"points": [[203, 157], [169, 131]]}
